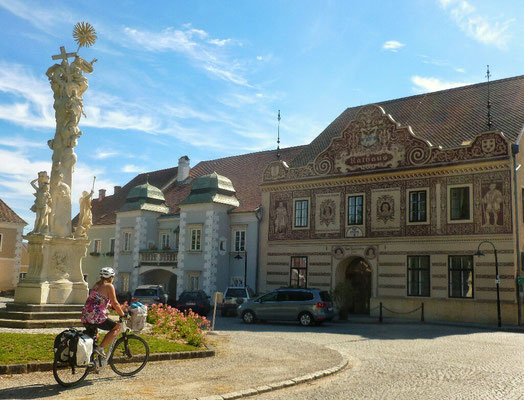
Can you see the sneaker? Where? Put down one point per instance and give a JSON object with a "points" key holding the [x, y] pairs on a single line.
{"points": [[100, 351]]}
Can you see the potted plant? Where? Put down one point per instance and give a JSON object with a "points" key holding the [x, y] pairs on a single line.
{"points": [[343, 297]]}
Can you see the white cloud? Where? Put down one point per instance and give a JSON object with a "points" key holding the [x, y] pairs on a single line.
{"points": [[132, 168], [430, 84], [194, 44], [102, 155], [476, 26], [392, 45], [43, 18], [260, 58], [440, 63]]}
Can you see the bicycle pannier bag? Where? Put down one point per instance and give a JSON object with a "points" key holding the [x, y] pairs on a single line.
{"points": [[80, 349], [138, 313], [61, 345]]}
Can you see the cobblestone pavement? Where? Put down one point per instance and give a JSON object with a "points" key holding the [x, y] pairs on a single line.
{"points": [[390, 361], [416, 362]]}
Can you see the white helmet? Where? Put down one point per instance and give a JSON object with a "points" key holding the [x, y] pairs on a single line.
{"points": [[107, 272]]}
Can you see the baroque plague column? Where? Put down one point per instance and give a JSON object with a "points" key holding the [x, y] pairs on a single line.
{"points": [[55, 266]]}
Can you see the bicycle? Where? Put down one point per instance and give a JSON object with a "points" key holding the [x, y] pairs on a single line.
{"points": [[128, 355]]}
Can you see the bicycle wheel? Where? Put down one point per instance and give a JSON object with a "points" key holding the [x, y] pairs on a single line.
{"points": [[129, 355], [67, 375]]}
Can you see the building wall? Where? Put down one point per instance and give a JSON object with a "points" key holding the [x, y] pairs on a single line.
{"points": [[93, 262], [10, 255]]}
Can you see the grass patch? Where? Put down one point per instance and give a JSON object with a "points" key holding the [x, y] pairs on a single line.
{"points": [[21, 348]]}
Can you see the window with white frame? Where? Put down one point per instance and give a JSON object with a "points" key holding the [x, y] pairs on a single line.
{"points": [[418, 206], [127, 241], [21, 276], [124, 281], [196, 239], [298, 275], [355, 210], [459, 203], [112, 245], [176, 238], [240, 240], [97, 246], [460, 276], [193, 281], [301, 213], [1, 241], [164, 237]]}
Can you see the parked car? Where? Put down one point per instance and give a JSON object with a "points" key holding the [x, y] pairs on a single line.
{"points": [[233, 297], [307, 306], [196, 300], [150, 294]]}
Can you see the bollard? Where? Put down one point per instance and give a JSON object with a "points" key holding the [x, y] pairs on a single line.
{"points": [[422, 313], [380, 314]]}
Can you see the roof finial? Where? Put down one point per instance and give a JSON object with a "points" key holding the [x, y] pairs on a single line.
{"points": [[490, 122], [278, 137]]}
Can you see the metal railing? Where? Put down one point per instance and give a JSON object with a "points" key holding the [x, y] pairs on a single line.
{"points": [[383, 308]]}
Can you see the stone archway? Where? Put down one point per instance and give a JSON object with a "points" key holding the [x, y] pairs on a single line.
{"points": [[167, 279], [358, 273]]}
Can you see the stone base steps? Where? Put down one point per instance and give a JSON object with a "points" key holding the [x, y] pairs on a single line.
{"points": [[50, 323], [18, 315]]}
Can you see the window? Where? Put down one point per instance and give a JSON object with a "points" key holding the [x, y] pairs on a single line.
{"points": [[193, 280], [1, 241], [460, 275], [127, 241], [298, 272], [459, 203], [165, 240], [418, 275], [21, 276], [175, 242], [301, 213], [355, 210], [240, 241], [196, 239], [417, 206], [97, 246], [112, 245], [124, 281]]}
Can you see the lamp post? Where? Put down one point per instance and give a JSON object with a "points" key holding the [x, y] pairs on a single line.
{"points": [[239, 257], [497, 278]]}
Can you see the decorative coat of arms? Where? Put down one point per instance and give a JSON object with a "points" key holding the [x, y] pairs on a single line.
{"points": [[385, 208], [327, 212]]}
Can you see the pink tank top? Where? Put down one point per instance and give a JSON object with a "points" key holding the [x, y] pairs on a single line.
{"points": [[95, 310]]}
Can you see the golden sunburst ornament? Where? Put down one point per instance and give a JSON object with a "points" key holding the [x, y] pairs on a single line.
{"points": [[84, 34]]}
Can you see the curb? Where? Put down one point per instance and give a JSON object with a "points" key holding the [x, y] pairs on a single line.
{"points": [[48, 366], [278, 385]]}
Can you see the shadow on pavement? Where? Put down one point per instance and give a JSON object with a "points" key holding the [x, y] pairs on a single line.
{"points": [[365, 327]]}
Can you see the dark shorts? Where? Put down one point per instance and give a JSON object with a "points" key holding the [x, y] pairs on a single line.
{"points": [[92, 329]]}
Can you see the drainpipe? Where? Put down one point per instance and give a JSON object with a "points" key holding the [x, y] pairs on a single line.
{"points": [[258, 215], [515, 151]]}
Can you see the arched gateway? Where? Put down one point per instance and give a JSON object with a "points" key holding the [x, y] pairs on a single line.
{"points": [[166, 278], [357, 271]]}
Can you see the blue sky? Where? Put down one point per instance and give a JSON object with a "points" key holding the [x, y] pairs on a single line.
{"points": [[206, 78]]}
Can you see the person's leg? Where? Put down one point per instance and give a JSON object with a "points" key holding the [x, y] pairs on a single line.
{"points": [[109, 336]]}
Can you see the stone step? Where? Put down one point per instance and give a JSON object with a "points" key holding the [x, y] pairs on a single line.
{"points": [[44, 307], [22, 315], [52, 323]]}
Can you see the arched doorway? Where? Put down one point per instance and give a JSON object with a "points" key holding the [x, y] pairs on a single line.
{"points": [[167, 279], [358, 273]]}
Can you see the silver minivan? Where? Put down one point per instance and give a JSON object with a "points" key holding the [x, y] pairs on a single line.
{"points": [[308, 306]]}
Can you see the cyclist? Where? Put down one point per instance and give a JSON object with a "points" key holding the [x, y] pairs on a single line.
{"points": [[94, 314]]}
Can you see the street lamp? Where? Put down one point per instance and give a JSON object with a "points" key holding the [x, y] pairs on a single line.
{"points": [[239, 257], [497, 278]]}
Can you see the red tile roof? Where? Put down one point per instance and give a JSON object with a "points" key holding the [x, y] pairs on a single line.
{"points": [[245, 172], [446, 118], [8, 215]]}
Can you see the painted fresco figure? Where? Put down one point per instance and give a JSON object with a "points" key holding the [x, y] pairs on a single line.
{"points": [[491, 202], [280, 218], [42, 206]]}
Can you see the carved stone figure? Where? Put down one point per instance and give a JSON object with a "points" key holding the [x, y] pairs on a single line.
{"points": [[61, 207], [491, 204], [42, 206], [85, 217], [60, 266], [280, 218]]}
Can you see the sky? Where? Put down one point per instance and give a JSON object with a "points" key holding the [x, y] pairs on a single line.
{"points": [[206, 78]]}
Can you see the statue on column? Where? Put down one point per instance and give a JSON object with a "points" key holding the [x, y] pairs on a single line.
{"points": [[42, 206], [85, 217]]}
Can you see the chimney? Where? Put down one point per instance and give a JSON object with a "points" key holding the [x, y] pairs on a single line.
{"points": [[101, 194], [183, 168], [117, 189]]}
